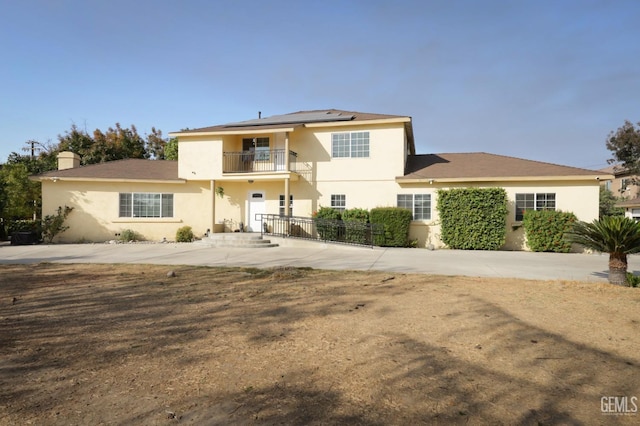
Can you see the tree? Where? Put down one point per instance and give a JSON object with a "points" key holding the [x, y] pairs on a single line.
{"points": [[156, 144], [618, 236], [608, 204], [624, 143], [19, 196], [171, 150]]}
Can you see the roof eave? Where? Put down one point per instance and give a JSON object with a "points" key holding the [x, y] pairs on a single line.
{"points": [[433, 179], [359, 122], [255, 130], [110, 180]]}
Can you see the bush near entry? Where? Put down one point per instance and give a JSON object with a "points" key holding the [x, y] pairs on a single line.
{"points": [[395, 221], [355, 225]]}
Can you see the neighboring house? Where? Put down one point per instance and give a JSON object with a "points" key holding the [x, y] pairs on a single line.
{"points": [[227, 174], [631, 208], [621, 185]]}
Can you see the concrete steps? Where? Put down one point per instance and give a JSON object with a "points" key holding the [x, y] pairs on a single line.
{"points": [[237, 239]]}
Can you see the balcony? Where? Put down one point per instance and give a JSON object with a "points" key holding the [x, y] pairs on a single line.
{"points": [[258, 161]]}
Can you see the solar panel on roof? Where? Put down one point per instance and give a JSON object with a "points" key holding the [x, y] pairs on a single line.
{"points": [[304, 117]]}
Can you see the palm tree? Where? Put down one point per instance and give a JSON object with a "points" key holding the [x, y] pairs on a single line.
{"points": [[616, 235]]}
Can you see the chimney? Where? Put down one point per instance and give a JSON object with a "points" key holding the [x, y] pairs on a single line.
{"points": [[68, 160]]}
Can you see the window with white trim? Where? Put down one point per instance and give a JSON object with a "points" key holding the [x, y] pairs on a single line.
{"points": [[537, 201], [350, 144], [339, 202], [281, 205], [143, 204], [419, 204]]}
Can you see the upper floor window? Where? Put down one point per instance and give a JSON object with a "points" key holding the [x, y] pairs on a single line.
{"points": [[539, 201], [419, 204], [141, 204], [258, 146], [353, 144], [339, 202]]}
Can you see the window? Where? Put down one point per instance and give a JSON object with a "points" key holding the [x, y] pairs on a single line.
{"points": [[338, 202], [259, 146], [635, 214], [140, 204], [354, 145], [624, 184], [419, 204], [540, 201], [281, 204]]}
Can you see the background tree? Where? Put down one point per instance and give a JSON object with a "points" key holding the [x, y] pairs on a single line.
{"points": [[607, 204], [624, 144], [171, 150], [156, 144]]}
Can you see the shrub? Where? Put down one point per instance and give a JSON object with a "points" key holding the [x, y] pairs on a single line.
{"points": [[184, 234], [328, 223], [355, 224], [545, 230], [633, 280], [129, 235], [473, 218], [394, 223], [52, 225]]}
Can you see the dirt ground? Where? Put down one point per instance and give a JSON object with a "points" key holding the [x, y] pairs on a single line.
{"points": [[128, 344]]}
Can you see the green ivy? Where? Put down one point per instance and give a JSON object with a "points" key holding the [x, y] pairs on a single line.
{"points": [[545, 229], [473, 218], [396, 222]]}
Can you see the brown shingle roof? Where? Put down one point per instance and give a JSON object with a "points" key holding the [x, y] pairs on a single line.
{"points": [[480, 165], [135, 169]]}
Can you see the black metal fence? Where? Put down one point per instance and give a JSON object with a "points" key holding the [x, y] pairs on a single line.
{"points": [[258, 161], [307, 228]]}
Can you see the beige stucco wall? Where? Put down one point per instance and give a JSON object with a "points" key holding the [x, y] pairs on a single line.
{"points": [[200, 158], [580, 198], [95, 215]]}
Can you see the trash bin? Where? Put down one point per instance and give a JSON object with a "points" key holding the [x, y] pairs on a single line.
{"points": [[24, 238]]}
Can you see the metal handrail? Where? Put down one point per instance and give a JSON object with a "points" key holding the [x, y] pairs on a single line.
{"points": [[258, 161], [328, 230]]}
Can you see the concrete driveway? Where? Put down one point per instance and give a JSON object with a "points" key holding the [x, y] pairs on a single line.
{"points": [[504, 264]]}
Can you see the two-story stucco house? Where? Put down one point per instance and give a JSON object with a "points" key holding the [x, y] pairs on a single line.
{"points": [[227, 174]]}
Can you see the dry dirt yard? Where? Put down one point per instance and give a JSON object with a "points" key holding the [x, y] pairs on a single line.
{"points": [[128, 344]]}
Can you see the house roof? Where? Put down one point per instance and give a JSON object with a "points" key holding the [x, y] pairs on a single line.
{"points": [[484, 166], [128, 169], [294, 119], [634, 202]]}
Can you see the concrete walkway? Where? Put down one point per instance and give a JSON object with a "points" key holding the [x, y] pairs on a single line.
{"points": [[505, 264]]}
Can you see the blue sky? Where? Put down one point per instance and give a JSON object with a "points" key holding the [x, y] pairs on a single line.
{"points": [[543, 80]]}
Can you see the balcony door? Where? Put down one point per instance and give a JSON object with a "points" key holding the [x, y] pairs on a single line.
{"points": [[259, 147]]}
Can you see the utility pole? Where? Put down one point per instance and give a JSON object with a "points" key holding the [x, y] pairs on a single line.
{"points": [[33, 156]]}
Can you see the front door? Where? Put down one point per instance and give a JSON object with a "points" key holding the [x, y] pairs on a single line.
{"points": [[256, 205]]}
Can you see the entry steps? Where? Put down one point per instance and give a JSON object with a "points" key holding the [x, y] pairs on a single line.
{"points": [[237, 239]]}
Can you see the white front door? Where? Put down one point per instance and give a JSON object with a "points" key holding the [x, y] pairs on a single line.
{"points": [[256, 205]]}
